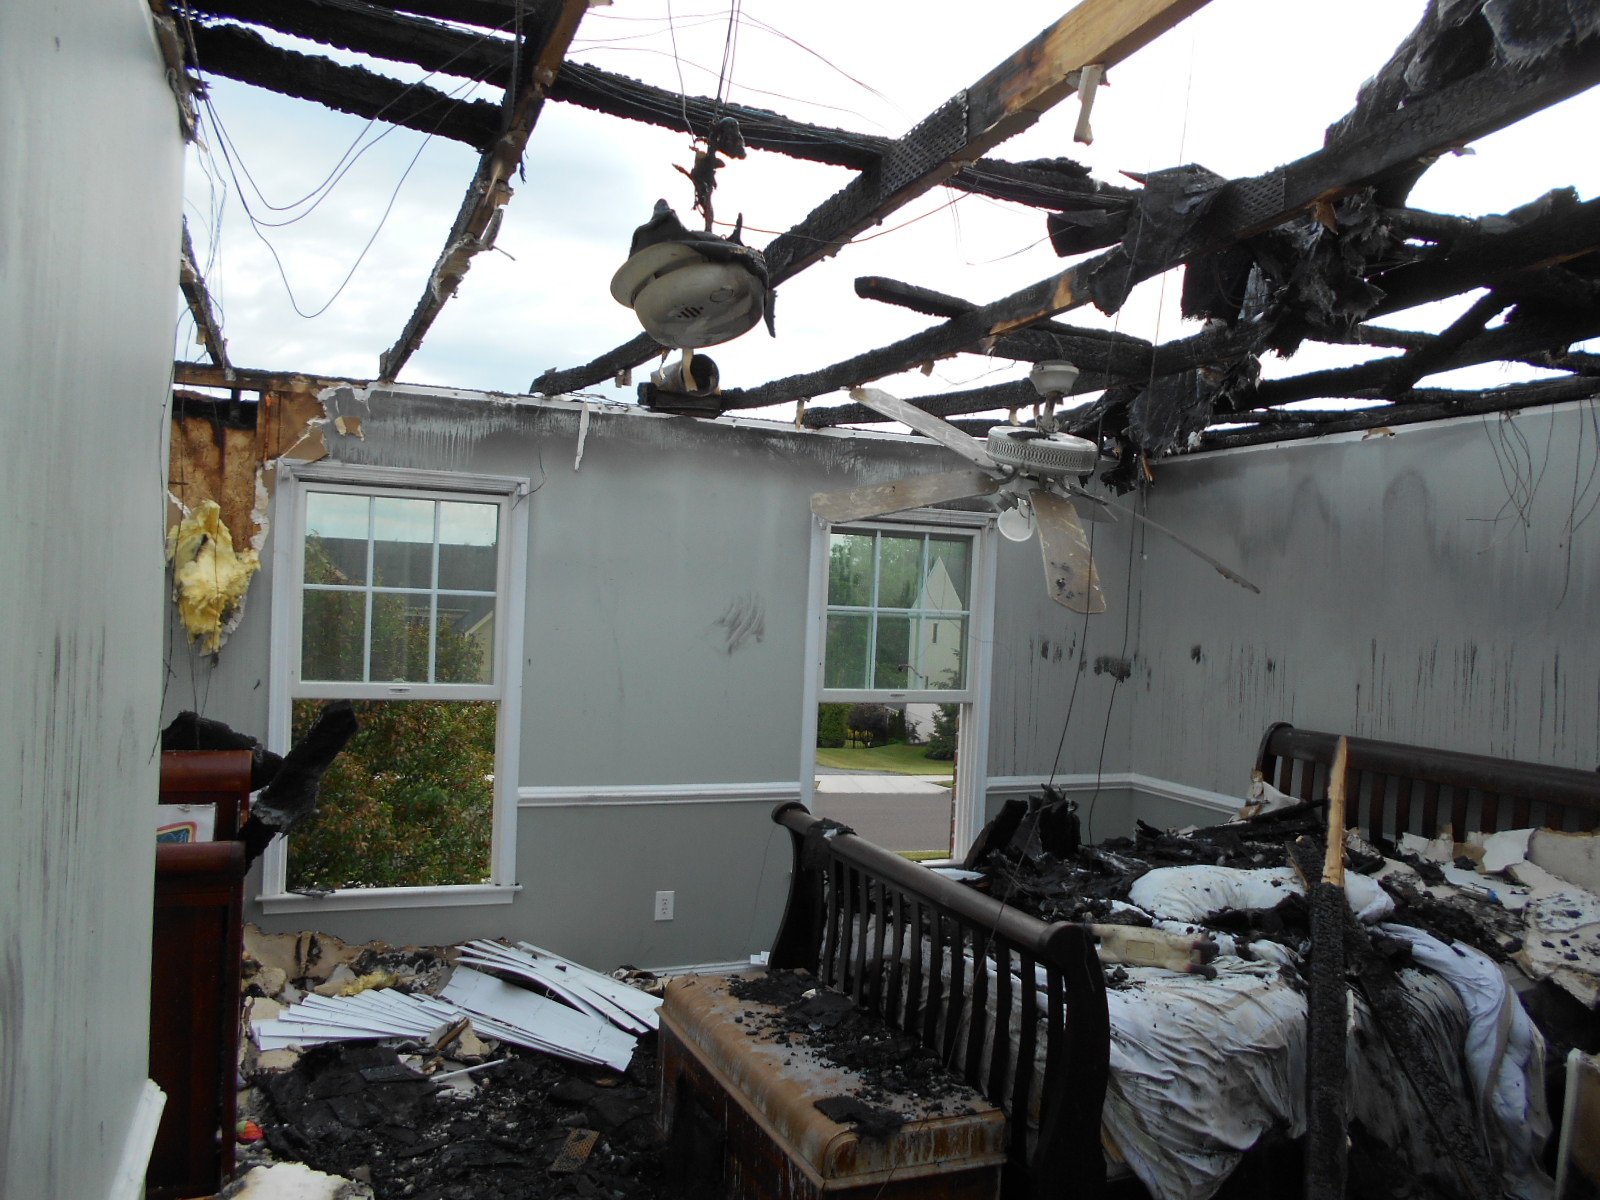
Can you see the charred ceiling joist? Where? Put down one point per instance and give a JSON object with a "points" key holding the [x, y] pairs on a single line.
{"points": [[1482, 94], [1004, 102]]}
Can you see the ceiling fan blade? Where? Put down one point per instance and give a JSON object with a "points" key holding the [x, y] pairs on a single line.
{"points": [[1069, 573], [1227, 573], [946, 434], [876, 499]]}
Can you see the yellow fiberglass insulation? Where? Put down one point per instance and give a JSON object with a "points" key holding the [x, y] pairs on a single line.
{"points": [[209, 577]]}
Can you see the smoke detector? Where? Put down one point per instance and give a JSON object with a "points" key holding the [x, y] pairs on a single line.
{"points": [[686, 300]]}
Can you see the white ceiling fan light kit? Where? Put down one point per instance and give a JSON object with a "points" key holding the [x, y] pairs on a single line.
{"points": [[1037, 474]]}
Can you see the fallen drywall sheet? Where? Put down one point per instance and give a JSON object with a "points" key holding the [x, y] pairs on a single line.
{"points": [[515, 1014]]}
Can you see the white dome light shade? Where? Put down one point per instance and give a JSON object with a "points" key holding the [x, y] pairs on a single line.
{"points": [[686, 300], [1016, 524]]}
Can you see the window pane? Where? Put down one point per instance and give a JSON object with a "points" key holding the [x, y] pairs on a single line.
{"points": [[336, 538], [409, 803], [465, 652], [899, 570], [467, 538], [850, 569], [949, 572], [402, 550], [892, 659], [332, 634], [846, 654], [399, 638], [942, 652]]}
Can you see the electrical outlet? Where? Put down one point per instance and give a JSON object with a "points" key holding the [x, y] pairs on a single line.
{"points": [[664, 901]]}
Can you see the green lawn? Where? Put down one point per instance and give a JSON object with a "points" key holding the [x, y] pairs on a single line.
{"points": [[897, 758]]}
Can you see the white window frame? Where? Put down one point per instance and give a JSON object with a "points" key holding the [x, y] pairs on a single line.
{"points": [[972, 747], [295, 480]]}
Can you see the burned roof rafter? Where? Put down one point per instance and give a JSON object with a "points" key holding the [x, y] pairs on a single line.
{"points": [[479, 219], [1432, 124], [193, 285], [1004, 102]]}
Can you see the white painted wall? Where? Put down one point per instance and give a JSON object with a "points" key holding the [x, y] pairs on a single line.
{"points": [[90, 169]]}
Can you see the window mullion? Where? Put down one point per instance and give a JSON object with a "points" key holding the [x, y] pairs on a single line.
{"points": [[433, 601], [366, 635], [872, 620]]}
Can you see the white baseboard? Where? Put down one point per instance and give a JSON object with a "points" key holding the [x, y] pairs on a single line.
{"points": [[1017, 785]]}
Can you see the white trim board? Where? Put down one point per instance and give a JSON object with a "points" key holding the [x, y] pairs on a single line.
{"points": [[1005, 785], [357, 899], [649, 793], [140, 1142]]}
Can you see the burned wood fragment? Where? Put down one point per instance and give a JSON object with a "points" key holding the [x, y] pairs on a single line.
{"points": [[291, 796], [1172, 204], [191, 731], [193, 285]]}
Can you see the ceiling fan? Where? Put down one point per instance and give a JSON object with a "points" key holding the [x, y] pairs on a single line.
{"points": [[1038, 474]]}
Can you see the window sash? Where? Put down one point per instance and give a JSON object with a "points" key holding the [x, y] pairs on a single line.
{"points": [[296, 481], [367, 688], [918, 614]]}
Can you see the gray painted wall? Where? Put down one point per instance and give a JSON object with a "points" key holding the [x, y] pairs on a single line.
{"points": [[1387, 609], [90, 170], [637, 559], [1420, 588]]}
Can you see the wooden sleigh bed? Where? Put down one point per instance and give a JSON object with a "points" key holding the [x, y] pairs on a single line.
{"points": [[938, 960]]}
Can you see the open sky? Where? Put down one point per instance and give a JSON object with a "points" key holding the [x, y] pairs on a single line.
{"points": [[1240, 87]]}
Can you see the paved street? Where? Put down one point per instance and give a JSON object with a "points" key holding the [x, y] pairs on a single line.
{"points": [[897, 812]]}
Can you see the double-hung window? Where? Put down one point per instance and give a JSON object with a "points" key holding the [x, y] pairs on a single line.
{"points": [[904, 611], [400, 591]]}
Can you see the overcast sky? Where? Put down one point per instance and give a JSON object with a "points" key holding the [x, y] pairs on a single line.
{"points": [[1240, 87]]}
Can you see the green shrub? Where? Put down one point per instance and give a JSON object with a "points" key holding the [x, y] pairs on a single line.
{"points": [[942, 738], [831, 725]]}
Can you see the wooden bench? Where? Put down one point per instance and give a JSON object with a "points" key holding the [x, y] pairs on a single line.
{"points": [[1393, 788]]}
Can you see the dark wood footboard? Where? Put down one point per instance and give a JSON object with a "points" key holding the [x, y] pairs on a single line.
{"points": [[956, 969]]}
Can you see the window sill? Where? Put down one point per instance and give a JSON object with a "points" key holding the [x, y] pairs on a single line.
{"points": [[356, 899]]}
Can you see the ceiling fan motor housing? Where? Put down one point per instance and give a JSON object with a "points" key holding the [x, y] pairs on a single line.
{"points": [[1052, 456], [685, 300]]}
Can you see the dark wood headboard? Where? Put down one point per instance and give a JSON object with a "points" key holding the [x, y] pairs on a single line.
{"points": [[936, 944], [1394, 788]]}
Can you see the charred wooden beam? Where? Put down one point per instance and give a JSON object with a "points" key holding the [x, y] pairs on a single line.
{"points": [[1424, 360], [487, 14], [1462, 112], [1488, 258], [375, 30], [1376, 378], [1004, 102], [1427, 404], [479, 219], [1423, 226], [246, 56], [193, 286], [1378, 335], [248, 379]]}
